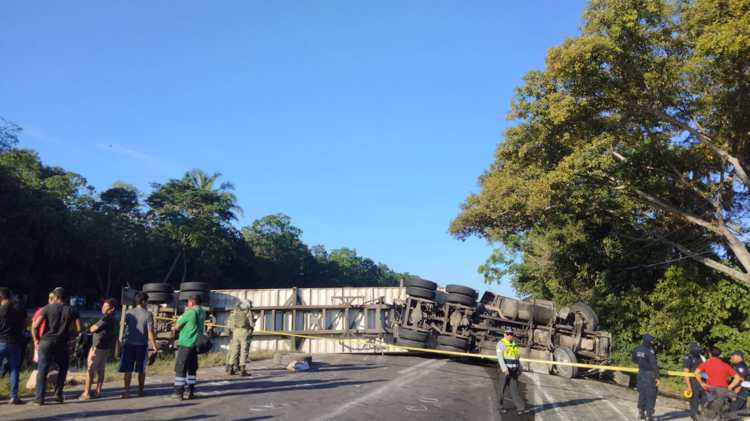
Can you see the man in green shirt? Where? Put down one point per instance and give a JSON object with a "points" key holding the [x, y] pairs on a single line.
{"points": [[189, 326]]}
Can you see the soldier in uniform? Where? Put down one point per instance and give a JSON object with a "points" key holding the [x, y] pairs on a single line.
{"points": [[648, 377], [508, 359], [692, 360], [241, 324], [738, 360]]}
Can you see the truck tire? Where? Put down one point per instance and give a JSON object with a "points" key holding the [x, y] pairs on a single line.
{"points": [[427, 294], [590, 319], [410, 344], [567, 356], [412, 335], [159, 297], [459, 289], [453, 341], [420, 283], [157, 287], [205, 296], [461, 299], [194, 286]]}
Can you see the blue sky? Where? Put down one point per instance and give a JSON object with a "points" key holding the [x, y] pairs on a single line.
{"points": [[367, 122]]}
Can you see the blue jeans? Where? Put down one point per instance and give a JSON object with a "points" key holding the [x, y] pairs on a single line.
{"points": [[12, 352], [51, 352]]}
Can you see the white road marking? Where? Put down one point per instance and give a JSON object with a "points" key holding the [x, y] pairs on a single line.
{"points": [[555, 406], [427, 367], [607, 401], [415, 367]]}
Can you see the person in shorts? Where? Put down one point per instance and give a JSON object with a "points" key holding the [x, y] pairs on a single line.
{"points": [[138, 334], [103, 341]]}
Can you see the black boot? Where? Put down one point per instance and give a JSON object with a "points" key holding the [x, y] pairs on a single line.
{"points": [[244, 372], [191, 392], [234, 370], [641, 414], [228, 369], [178, 391], [650, 415]]}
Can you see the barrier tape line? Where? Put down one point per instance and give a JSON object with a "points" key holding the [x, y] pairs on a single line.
{"points": [[452, 353]]}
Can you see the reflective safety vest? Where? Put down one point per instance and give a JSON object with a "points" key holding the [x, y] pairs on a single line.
{"points": [[510, 352]]}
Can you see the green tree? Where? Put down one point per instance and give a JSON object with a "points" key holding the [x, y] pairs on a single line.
{"points": [[196, 215], [8, 134], [641, 120]]}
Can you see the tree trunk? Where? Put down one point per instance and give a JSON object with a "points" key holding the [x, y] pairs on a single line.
{"points": [[171, 268], [184, 266]]}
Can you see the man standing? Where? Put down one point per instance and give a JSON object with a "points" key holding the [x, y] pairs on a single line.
{"points": [[692, 360], [738, 360], [241, 325], [104, 335], [718, 372], [62, 324], [137, 335], [648, 377], [508, 356], [12, 324], [189, 326]]}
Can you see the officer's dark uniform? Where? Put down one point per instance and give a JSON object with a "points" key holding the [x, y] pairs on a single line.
{"points": [[691, 362], [741, 402], [648, 372]]}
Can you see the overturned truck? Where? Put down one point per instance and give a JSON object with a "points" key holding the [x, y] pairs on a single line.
{"points": [[416, 315], [452, 319]]}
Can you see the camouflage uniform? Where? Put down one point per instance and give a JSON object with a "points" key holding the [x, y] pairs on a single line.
{"points": [[241, 325]]}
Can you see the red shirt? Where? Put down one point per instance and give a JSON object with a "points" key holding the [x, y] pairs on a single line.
{"points": [[718, 372]]}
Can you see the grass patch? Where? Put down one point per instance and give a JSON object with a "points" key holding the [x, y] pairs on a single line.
{"points": [[163, 365]]}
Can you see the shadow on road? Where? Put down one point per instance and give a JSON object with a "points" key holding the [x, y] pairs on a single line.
{"points": [[251, 388], [115, 413], [674, 415]]}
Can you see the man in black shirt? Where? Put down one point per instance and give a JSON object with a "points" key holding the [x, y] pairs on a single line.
{"points": [[12, 323], [62, 324], [104, 335], [738, 360], [692, 360]]}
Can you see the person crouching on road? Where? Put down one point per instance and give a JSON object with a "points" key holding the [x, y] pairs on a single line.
{"points": [[508, 359], [104, 335], [12, 324], [648, 377], [692, 360], [738, 360], [241, 326], [189, 326]]}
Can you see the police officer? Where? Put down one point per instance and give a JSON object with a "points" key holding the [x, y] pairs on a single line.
{"points": [[692, 360], [241, 323], [508, 356], [738, 360], [648, 377]]}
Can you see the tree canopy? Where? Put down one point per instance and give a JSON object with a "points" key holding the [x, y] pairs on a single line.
{"points": [[59, 231], [629, 154]]}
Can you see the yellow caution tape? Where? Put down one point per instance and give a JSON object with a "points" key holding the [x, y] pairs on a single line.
{"points": [[453, 353]]}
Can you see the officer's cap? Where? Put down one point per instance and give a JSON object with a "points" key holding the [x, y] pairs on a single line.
{"points": [[508, 329]]}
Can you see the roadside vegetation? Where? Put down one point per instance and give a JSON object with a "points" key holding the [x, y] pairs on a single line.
{"points": [[623, 181]]}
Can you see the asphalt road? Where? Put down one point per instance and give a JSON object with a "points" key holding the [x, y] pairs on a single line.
{"points": [[356, 387]]}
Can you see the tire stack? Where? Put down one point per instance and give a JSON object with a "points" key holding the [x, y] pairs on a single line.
{"points": [[460, 295], [188, 289], [424, 290], [158, 293], [420, 288]]}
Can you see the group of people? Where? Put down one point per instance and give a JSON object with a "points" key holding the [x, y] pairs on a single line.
{"points": [[55, 327], [704, 375]]}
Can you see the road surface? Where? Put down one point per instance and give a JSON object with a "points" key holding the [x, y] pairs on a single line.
{"points": [[356, 387]]}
